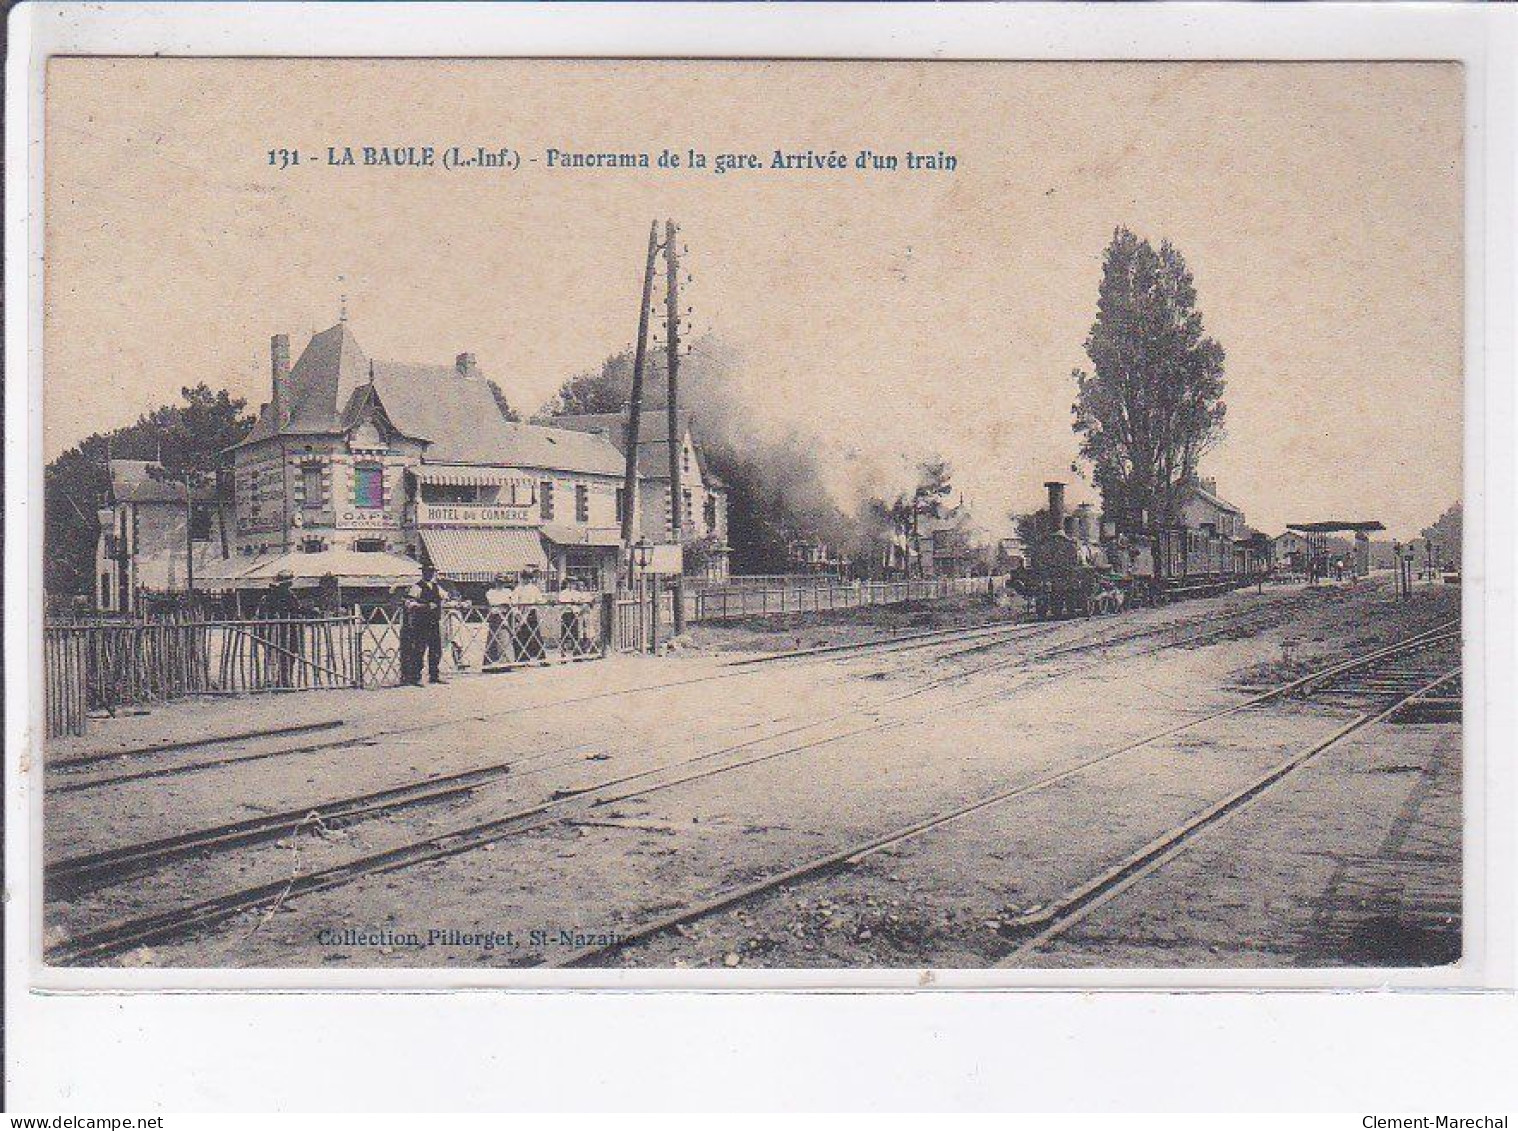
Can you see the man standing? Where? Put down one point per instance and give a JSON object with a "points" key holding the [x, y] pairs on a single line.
{"points": [[498, 627], [528, 632], [287, 637], [424, 618], [573, 639]]}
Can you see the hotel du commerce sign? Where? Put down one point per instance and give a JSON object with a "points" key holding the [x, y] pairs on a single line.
{"points": [[473, 514]]}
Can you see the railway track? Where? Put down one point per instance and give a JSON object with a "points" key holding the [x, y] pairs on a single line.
{"points": [[888, 646], [985, 638], [1050, 922], [1051, 918], [87, 872], [177, 923]]}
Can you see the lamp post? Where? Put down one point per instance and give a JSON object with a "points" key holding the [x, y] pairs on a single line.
{"points": [[641, 553]]}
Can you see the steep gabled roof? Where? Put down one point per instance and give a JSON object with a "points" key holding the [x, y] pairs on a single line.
{"points": [[653, 437], [131, 483], [1214, 500], [328, 372], [454, 414], [330, 369]]}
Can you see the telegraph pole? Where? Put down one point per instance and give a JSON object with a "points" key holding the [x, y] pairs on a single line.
{"points": [[635, 407], [676, 439]]}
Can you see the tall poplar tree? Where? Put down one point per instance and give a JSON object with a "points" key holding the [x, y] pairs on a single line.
{"points": [[1152, 404]]}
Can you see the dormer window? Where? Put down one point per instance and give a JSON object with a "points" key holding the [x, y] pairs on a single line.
{"points": [[367, 435]]}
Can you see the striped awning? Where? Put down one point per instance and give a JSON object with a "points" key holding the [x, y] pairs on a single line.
{"points": [[464, 476], [478, 555], [562, 535]]}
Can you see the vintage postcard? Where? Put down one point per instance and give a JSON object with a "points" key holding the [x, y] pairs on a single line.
{"points": [[646, 515]]}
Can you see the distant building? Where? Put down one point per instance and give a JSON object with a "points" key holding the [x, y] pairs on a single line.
{"points": [[945, 545], [140, 553], [703, 494], [1011, 553], [1203, 509], [1253, 551], [1289, 552], [417, 460], [812, 555]]}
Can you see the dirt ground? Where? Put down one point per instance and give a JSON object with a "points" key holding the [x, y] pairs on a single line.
{"points": [[678, 780]]}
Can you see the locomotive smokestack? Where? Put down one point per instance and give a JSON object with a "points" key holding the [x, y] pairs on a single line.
{"points": [[1056, 505]]}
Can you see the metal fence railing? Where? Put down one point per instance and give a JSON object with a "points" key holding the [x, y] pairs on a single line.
{"points": [[476, 639]]}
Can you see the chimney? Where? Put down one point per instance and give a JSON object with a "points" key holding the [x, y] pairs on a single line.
{"points": [[279, 366], [1056, 505], [279, 361], [466, 364]]}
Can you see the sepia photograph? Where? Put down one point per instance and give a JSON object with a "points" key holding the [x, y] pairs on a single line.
{"points": [[762, 515]]}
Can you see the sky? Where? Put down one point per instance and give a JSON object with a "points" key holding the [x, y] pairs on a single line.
{"points": [[888, 316]]}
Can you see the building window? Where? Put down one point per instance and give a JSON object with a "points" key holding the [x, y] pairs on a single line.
{"points": [[621, 505], [450, 493], [368, 485], [311, 485], [545, 500], [370, 545], [313, 545], [688, 517], [710, 512], [685, 460], [582, 503]]}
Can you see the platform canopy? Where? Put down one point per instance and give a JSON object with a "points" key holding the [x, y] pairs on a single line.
{"points": [[1333, 527]]}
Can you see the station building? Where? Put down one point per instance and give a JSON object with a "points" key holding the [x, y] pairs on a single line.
{"points": [[1203, 509], [417, 462]]}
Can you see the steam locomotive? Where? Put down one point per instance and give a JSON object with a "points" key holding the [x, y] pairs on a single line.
{"points": [[1078, 566]]}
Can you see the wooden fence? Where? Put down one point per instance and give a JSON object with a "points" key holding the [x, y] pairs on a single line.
{"points": [[765, 581], [634, 622], [103, 666], [109, 665]]}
